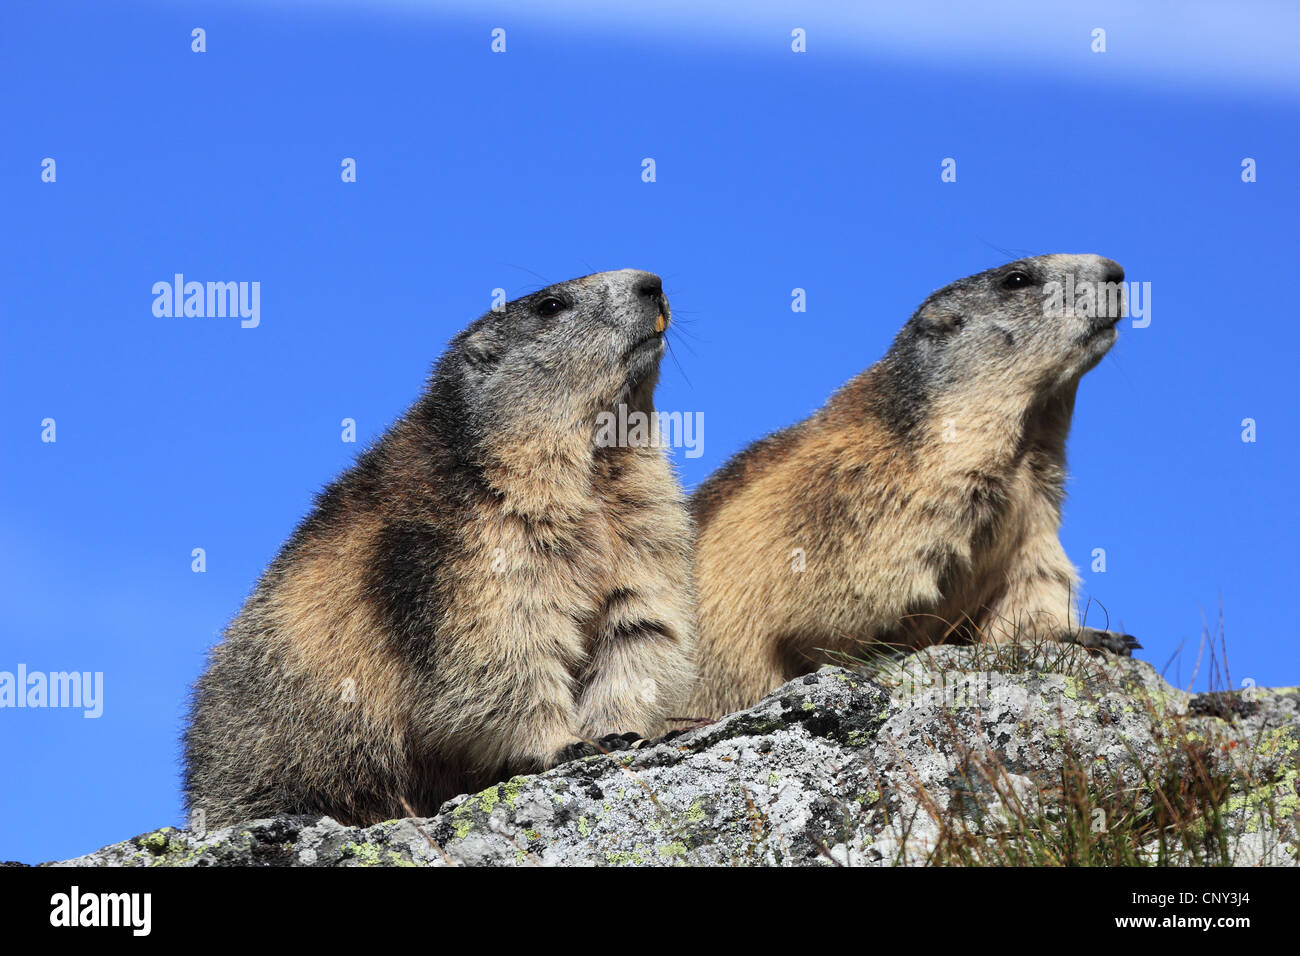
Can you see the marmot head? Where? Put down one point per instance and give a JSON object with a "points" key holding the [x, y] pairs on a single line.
{"points": [[556, 358], [1038, 323]]}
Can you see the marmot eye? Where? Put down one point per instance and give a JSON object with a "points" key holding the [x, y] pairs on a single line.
{"points": [[1016, 280], [550, 306]]}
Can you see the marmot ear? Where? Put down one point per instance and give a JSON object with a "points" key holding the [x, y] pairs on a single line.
{"points": [[937, 323], [481, 350]]}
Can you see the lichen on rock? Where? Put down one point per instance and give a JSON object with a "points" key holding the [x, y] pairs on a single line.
{"points": [[950, 755]]}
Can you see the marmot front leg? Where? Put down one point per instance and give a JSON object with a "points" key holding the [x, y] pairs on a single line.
{"points": [[637, 665], [1039, 602], [522, 692]]}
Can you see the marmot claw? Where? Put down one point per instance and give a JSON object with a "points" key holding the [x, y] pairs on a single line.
{"points": [[602, 745], [1094, 639]]}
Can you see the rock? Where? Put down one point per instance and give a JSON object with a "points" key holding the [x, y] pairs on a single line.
{"points": [[971, 755]]}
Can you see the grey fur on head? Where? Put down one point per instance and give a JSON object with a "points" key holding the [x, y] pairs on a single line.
{"points": [[1008, 324], [563, 354]]}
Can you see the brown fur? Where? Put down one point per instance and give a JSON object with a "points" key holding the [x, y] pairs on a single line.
{"points": [[469, 599], [921, 504]]}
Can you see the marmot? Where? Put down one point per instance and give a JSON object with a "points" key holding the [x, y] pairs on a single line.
{"points": [[486, 587], [921, 504]]}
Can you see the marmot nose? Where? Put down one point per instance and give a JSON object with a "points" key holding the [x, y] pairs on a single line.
{"points": [[1112, 271], [650, 287]]}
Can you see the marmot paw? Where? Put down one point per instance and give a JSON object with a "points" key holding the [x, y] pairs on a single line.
{"points": [[612, 742], [1090, 637], [602, 745]]}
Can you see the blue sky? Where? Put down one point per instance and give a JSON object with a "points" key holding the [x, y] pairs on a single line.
{"points": [[475, 170]]}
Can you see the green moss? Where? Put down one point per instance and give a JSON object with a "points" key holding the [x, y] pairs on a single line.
{"points": [[748, 725], [1269, 802], [157, 842], [462, 820], [696, 812], [367, 854], [487, 801], [671, 850], [510, 790], [363, 853], [625, 858], [165, 847], [1280, 742], [178, 857], [583, 826]]}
